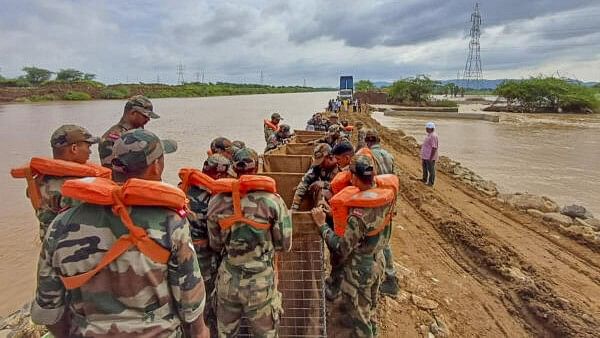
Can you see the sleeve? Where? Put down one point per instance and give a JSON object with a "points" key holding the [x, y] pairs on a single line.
{"points": [[49, 304], [434, 141], [344, 246], [281, 230], [185, 278], [105, 151], [215, 239], [302, 187]]}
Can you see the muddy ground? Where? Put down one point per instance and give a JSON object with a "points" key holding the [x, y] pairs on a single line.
{"points": [[472, 266]]}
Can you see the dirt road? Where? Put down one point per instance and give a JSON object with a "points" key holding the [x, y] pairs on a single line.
{"points": [[472, 266]]}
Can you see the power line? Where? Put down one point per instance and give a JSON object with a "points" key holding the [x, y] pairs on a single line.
{"points": [[473, 71], [180, 71]]}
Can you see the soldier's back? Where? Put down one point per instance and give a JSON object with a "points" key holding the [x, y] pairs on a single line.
{"points": [[108, 140]]}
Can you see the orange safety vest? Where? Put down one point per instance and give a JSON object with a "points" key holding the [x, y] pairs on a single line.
{"points": [[348, 128], [271, 125], [41, 166], [135, 192], [350, 196], [365, 151]]}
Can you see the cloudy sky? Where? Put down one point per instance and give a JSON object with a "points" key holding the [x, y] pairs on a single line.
{"points": [[290, 41]]}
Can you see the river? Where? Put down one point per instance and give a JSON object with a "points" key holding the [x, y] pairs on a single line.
{"points": [[545, 154], [192, 122]]}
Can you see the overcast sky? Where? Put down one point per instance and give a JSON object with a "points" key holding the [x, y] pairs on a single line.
{"points": [[290, 41]]}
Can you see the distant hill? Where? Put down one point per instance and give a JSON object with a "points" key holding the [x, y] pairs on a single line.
{"points": [[483, 84]]}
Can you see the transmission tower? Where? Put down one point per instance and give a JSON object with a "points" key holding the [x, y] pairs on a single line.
{"points": [[473, 72], [180, 70]]}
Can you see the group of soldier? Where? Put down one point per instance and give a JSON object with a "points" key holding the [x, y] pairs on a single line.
{"points": [[214, 274]]}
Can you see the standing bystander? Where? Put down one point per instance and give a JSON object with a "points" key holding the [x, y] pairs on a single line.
{"points": [[429, 154]]}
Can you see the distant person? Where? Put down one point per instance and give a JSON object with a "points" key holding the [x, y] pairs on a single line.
{"points": [[429, 154], [137, 112], [333, 136], [282, 136], [271, 126], [333, 119], [316, 123]]}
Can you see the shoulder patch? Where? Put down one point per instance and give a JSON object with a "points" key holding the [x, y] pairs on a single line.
{"points": [[358, 212], [114, 136]]}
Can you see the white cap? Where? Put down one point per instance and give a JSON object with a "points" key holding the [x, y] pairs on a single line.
{"points": [[430, 125]]}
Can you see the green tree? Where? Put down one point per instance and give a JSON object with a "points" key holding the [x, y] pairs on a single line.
{"points": [[364, 86], [36, 76], [413, 90], [69, 75]]}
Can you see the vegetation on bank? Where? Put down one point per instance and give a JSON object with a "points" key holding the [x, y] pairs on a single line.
{"points": [[38, 84], [548, 94]]}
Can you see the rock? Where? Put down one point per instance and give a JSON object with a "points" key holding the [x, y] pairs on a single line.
{"points": [[424, 303], [556, 217], [528, 201], [594, 223], [581, 230], [430, 335], [535, 213], [444, 331], [576, 211]]}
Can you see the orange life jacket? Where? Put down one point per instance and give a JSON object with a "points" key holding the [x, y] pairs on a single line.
{"points": [[348, 128], [271, 125], [350, 196], [135, 192], [365, 151], [41, 166], [238, 188]]}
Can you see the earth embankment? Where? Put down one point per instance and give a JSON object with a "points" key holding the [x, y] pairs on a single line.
{"points": [[473, 266]]}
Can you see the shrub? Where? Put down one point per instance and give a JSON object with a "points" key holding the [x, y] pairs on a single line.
{"points": [[77, 96], [442, 103], [42, 98], [414, 90], [115, 93]]}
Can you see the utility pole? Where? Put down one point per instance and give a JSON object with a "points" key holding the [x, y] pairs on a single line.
{"points": [[180, 70], [473, 71]]}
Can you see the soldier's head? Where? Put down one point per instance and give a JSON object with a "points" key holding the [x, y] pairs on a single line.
{"points": [[343, 153], [245, 162], [223, 146], [237, 145], [334, 130], [275, 118], [323, 157], [284, 131], [371, 137], [72, 143], [333, 118], [359, 125], [363, 172], [218, 166], [138, 111], [318, 117], [138, 153], [344, 123]]}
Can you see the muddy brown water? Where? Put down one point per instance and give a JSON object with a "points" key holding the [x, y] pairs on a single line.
{"points": [[193, 122], [545, 154]]}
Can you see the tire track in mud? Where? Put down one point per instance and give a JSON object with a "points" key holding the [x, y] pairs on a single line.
{"points": [[531, 294]]}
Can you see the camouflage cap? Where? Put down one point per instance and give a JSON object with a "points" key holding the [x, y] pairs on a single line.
{"points": [[141, 104], [359, 123], [237, 145], [70, 134], [334, 129], [218, 163], [245, 158], [136, 149], [276, 116], [362, 165], [220, 145], [319, 153], [371, 133], [333, 116]]}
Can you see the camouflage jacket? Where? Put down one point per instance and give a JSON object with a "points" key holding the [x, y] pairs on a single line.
{"points": [[329, 140], [133, 296], [52, 201], [314, 174], [357, 250], [360, 138], [108, 140], [274, 141], [384, 161], [268, 132], [208, 259], [318, 126], [248, 249]]}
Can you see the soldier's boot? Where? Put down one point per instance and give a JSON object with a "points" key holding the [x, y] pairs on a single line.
{"points": [[390, 286], [332, 292]]}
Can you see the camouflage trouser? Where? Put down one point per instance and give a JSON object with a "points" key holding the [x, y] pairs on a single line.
{"points": [[254, 297], [390, 270], [209, 265], [360, 290]]}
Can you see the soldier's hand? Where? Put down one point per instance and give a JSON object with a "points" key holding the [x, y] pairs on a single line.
{"points": [[318, 216]]}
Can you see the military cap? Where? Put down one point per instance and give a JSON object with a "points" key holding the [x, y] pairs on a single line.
{"points": [[334, 128], [333, 115], [319, 153], [285, 130], [221, 144], [276, 116], [342, 148], [137, 149], [359, 123], [141, 104], [237, 144], [362, 165], [245, 158], [218, 163], [371, 133], [69, 134]]}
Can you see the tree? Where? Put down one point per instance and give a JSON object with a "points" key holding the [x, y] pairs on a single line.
{"points": [[364, 86], [36, 76], [413, 90], [69, 75]]}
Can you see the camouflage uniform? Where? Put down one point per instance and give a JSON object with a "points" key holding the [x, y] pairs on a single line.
{"points": [[52, 200], [360, 138], [137, 103], [315, 173], [133, 296], [333, 137], [279, 138], [268, 131], [246, 284], [320, 125], [363, 264]]}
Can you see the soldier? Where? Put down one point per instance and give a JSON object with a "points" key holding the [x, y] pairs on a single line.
{"points": [[333, 137], [318, 176], [360, 250], [333, 120], [237, 145], [69, 143], [246, 285], [343, 153], [216, 166], [128, 293], [360, 135], [316, 123], [271, 126], [384, 164], [138, 111], [282, 136], [223, 146]]}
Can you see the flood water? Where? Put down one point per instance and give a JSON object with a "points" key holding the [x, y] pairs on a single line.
{"points": [[545, 154], [192, 122]]}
